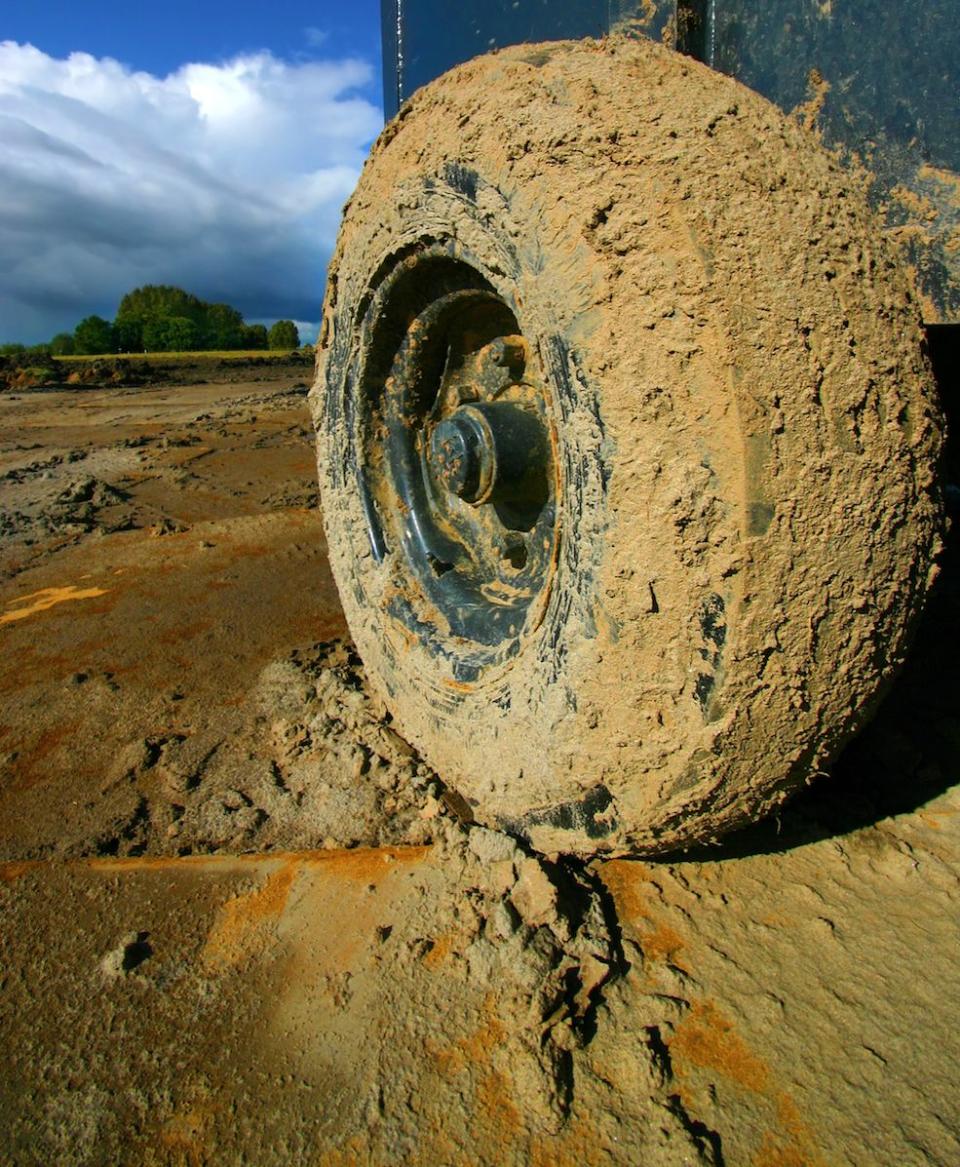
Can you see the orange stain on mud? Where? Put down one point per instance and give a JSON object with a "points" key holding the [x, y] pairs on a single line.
{"points": [[663, 944], [32, 763], [242, 927], [357, 862], [245, 926], [354, 1153], [629, 882], [495, 1104], [705, 1038], [11, 871], [497, 1116], [705, 1043], [185, 1136], [632, 886], [188, 630], [938, 817], [774, 1154], [441, 949], [579, 1145], [475, 1049], [47, 598]]}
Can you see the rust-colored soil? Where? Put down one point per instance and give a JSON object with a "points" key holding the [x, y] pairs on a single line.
{"points": [[174, 676]]}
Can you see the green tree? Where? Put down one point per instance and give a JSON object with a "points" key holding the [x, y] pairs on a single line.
{"points": [[255, 336], [284, 335], [164, 318], [93, 335], [156, 300], [146, 306], [183, 334], [11, 350], [62, 345], [171, 334], [223, 327], [128, 334]]}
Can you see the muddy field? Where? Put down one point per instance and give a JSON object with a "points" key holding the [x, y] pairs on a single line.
{"points": [[241, 921]]}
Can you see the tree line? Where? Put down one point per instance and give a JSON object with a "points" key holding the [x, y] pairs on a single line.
{"points": [[160, 318]]}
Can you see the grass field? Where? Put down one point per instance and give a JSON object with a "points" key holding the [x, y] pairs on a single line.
{"points": [[227, 354]]}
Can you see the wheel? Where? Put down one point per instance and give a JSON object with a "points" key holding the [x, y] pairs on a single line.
{"points": [[626, 444]]}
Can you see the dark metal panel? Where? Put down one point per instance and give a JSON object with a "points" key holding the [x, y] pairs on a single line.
{"points": [[389, 24], [424, 38], [434, 35]]}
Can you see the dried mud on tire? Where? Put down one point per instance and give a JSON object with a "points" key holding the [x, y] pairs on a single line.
{"points": [[745, 443]]}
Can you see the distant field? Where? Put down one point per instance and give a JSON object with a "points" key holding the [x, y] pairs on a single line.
{"points": [[227, 354]]}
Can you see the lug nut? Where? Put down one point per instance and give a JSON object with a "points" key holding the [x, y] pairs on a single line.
{"points": [[509, 352]]}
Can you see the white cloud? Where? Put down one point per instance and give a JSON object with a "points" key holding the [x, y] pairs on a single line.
{"points": [[224, 179]]}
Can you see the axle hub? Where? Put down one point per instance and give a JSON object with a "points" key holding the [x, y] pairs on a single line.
{"points": [[488, 450], [463, 454]]}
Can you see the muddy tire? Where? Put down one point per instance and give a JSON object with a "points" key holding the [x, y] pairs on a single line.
{"points": [[626, 444]]}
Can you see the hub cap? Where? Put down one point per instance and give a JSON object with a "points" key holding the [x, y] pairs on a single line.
{"points": [[459, 478]]}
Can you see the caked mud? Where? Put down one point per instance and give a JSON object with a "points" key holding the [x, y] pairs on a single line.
{"points": [[746, 511]]}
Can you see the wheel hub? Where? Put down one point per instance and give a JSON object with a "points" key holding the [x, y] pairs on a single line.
{"points": [[459, 477], [462, 455], [486, 449]]}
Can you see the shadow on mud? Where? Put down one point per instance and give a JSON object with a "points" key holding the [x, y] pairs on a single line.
{"points": [[906, 756]]}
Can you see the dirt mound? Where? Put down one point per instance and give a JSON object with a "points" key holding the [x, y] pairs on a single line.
{"points": [[115, 372], [318, 765], [28, 371], [21, 372], [302, 359]]}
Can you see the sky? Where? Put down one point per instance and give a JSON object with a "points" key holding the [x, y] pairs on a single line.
{"points": [[208, 145]]}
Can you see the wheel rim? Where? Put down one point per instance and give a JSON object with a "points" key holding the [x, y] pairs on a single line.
{"points": [[458, 470]]}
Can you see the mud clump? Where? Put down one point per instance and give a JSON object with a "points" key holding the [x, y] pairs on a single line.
{"points": [[55, 501], [114, 372], [317, 765], [28, 371]]}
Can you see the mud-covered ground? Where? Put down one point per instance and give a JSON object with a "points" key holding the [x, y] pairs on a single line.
{"points": [[241, 920], [145, 534]]}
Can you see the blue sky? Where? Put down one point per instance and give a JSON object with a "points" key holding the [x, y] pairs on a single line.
{"points": [[160, 37], [206, 144]]}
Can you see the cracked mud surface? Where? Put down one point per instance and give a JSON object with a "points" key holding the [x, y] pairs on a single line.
{"points": [[240, 920]]}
